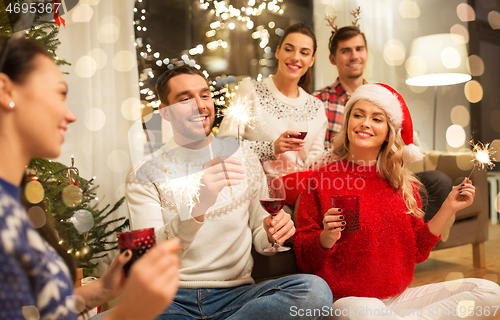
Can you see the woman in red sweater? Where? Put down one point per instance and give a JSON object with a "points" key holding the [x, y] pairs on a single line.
{"points": [[377, 261]]}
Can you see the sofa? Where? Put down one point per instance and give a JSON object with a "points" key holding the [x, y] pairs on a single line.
{"points": [[467, 226]]}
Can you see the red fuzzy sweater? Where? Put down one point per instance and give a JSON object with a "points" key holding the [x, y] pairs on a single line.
{"points": [[379, 259]]}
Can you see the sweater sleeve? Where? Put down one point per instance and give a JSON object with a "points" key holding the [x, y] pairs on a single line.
{"points": [[309, 253], [425, 241], [146, 211]]}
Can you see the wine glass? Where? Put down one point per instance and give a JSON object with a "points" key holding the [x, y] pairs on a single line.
{"points": [[301, 127], [272, 200]]}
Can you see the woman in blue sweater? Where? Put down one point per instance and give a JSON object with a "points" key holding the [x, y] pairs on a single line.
{"points": [[35, 279]]}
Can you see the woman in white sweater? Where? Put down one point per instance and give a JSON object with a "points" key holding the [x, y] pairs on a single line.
{"points": [[283, 107]]}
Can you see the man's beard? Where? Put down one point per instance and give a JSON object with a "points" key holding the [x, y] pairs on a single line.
{"points": [[196, 135]]}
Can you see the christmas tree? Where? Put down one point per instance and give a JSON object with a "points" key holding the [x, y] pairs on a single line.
{"points": [[71, 203], [43, 32]]}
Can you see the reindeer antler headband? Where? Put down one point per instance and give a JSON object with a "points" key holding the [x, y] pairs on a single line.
{"points": [[330, 18], [355, 14]]}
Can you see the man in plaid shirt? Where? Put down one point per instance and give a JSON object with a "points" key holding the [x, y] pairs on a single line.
{"points": [[349, 53]]}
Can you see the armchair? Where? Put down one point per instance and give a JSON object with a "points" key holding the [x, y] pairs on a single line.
{"points": [[470, 225]]}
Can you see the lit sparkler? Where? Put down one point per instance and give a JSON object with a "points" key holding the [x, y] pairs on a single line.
{"points": [[239, 112], [185, 187], [482, 156]]}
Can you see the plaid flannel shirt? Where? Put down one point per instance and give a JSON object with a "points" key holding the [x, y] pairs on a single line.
{"points": [[334, 99]]}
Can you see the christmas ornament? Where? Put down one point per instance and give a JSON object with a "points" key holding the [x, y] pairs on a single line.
{"points": [[72, 196], [84, 253], [57, 18], [82, 220], [34, 192]]}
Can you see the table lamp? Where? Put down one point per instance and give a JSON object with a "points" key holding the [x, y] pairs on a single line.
{"points": [[437, 60]]}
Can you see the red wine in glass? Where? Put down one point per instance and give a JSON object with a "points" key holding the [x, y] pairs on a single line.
{"points": [[301, 127], [301, 136], [272, 200], [272, 206]]}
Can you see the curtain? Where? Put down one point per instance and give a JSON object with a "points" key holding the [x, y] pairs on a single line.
{"points": [[98, 41]]}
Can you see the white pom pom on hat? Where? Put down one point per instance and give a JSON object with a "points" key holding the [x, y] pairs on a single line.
{"points": [[396, 110]]}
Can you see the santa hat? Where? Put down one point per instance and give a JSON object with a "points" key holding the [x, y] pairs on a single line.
{"points": [[396, 110]]}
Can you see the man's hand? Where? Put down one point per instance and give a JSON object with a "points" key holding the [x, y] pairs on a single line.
{"points": [[217, 174], [287, 142], [279, 228]]}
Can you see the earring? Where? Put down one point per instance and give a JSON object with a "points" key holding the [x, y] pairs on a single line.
{"points": [[12, 104]]}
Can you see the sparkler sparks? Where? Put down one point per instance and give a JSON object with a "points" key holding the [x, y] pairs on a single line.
{"points": [[184, 184], [240, 113], [189, 188], [482, 156]]}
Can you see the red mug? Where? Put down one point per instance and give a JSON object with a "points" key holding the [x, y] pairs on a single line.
{"points": [[138, 241], [350, 210]]}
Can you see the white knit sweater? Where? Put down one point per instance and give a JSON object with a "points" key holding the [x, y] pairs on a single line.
{"points": [[215, 253], [274, 114]]}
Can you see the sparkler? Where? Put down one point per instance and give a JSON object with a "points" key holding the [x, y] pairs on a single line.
{"points": [[213, 163], [185, 187], [211, 151], [239, 112], [482, 156]]}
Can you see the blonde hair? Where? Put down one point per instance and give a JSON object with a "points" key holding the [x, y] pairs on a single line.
{"points": [[390, 164]]}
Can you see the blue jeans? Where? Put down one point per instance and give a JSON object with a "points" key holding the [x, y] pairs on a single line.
{"points": [[284, 298]]}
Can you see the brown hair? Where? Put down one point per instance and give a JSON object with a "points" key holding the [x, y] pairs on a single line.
{"points": [[17, 57], [343, 33], [306, 80], [162, 87]]}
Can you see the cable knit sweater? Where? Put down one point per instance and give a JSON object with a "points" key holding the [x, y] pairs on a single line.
{"points": [[274, 114], [376, 261], [215, 253]]}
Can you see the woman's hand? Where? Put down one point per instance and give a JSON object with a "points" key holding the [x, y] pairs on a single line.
{"points": [[287, 142], [151, 285], [333, 224], [113, 281], [461, 196]]}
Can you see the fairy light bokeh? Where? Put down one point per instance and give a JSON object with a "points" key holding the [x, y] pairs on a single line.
{"points": [[224, 16]]}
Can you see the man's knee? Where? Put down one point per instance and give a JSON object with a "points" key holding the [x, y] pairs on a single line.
{"points": [[319, 293], [435, 180]]}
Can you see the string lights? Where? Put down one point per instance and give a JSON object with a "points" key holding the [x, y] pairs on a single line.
{"points": [[225, 16], [224, 10]]}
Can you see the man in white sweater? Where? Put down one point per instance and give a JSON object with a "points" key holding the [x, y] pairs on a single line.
{"points": [[218, 227]]}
